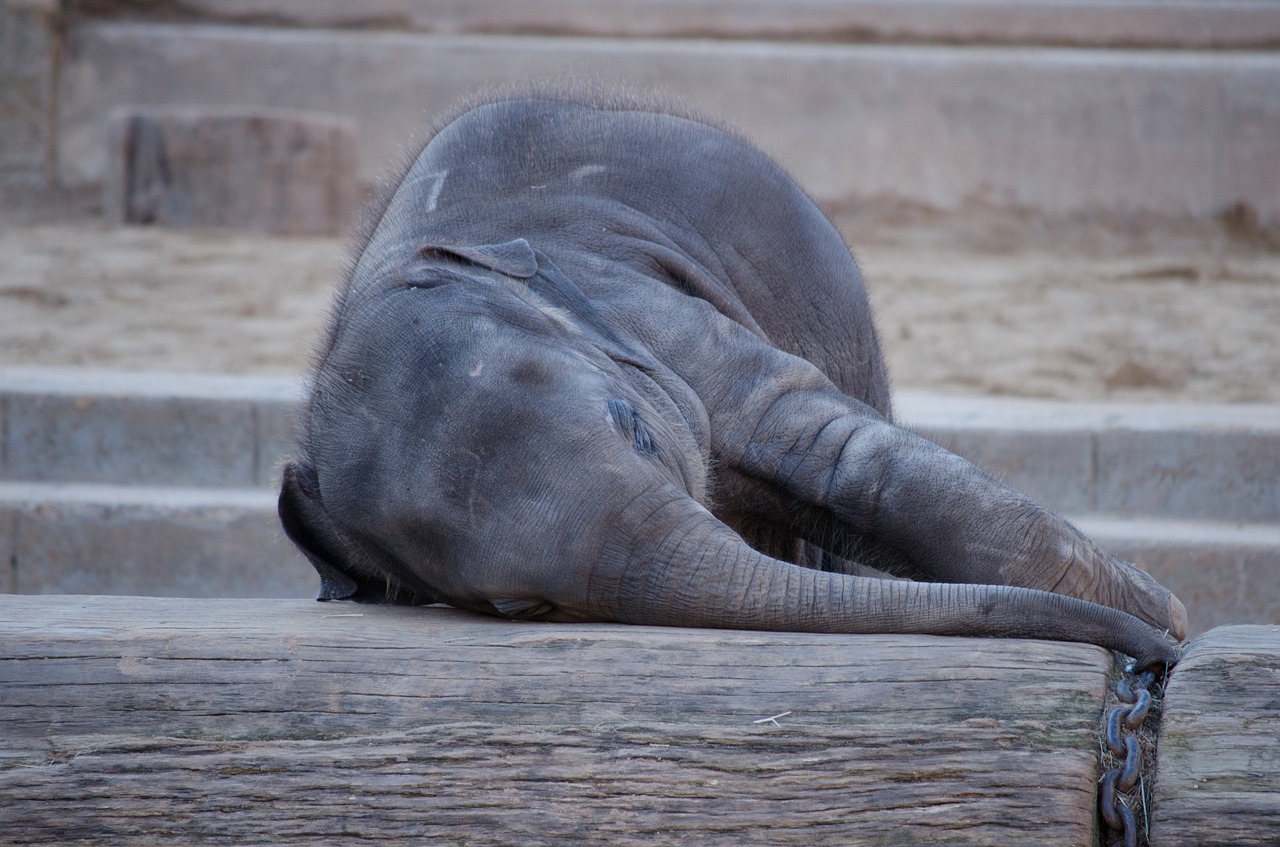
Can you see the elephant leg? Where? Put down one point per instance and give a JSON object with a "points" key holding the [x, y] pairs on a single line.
{"points": [[782, 528], [950, 520], [786, 425]]}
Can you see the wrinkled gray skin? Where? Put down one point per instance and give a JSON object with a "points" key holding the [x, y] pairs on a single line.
{"points": [[603, 363]]}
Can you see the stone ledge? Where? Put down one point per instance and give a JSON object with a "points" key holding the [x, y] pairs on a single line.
{"points": [[1176, 460], [1056, 132], [168, 541], [1199, 24], [1191, 461], [145, 428], [262, 170], [82, 539]]}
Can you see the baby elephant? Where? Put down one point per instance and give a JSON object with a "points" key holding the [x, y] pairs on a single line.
{"points": [[601, 361]]}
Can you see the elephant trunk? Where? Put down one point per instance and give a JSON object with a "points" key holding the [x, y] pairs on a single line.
{"points": [[703, 574]]}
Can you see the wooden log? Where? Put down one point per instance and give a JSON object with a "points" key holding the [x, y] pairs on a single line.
{"points": [[141, 721], [1218, 773], [258, 170]]}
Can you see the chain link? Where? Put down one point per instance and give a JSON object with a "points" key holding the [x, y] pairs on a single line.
{"points": [[1122, 727]]}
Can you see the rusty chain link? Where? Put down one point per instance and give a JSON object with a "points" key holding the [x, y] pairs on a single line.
{"points": [[1123, 724]]}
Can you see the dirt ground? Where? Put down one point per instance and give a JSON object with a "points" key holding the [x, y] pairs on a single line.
{"points": [[1180, 319]]}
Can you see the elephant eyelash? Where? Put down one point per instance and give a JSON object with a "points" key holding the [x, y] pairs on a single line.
{"points": [[628, 420]]}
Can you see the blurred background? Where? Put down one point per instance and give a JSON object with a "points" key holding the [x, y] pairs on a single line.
{"points": [[1067, 211]]}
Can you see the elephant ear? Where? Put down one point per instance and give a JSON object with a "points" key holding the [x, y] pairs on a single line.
{"points": [[554, 286], [337, 558], [309, 527], [519, 260], [513, 258]]}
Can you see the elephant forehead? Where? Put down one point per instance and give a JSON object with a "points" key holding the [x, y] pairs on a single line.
{"points": [[495, 357]]}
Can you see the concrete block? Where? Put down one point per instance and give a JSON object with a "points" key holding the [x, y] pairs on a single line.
{"points": [[1201, 462], [84, 539], [1193, 461], [1207, 473], [144, 429], [1224, 573], [1063, 132], [28, 56], [261, 170], [1121, 23], [154, 440], [9, 550]]}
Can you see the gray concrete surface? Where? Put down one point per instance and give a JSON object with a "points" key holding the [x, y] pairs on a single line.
{"points": [[1200, 24], [28, 75], [164, 484], [1193, 461], [71, 538], [1159, 109], [274, 171], [143, 429], [1064, 132], [150, 484], [1177, 460]]}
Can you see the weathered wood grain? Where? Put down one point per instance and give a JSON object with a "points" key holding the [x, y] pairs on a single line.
{"points": [[211, 721], [1218, 771]]}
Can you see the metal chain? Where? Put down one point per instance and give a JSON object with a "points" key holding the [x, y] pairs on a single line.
{"points": [[1123, 723]]}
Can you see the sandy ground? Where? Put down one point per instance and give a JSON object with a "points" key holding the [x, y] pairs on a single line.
{"points": [[1197, 321]]}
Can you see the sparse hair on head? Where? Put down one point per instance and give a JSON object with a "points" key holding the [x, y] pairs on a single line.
{"points": [[595, 94]]}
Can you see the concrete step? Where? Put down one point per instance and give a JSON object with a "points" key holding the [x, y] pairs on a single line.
{"points": [[74, 538], [69, 538], [1062, 132], [163, 484], [164, 429], [1200, 24], [1173, 460], [1194, 462]]}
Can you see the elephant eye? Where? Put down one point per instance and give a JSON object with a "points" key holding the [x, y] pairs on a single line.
{"points": [[628, 420]]}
